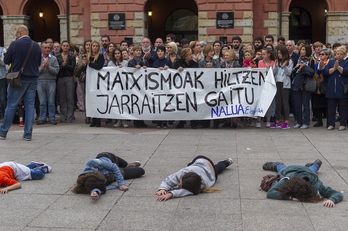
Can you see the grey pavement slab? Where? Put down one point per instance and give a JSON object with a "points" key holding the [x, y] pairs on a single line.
{"points": [[49, 204]]}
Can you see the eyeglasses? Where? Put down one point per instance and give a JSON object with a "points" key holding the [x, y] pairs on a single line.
{"points": [[322, 54], [104, 40]]}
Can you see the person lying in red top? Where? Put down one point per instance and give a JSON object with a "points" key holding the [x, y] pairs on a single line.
{"points": [[11, 173]]}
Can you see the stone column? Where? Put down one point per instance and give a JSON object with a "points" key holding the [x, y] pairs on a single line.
{"points": [[336, 27], [63, 27], [11, 23], [285, 25]]}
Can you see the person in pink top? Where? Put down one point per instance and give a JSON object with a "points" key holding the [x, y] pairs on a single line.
{"points": [[266, 62]]}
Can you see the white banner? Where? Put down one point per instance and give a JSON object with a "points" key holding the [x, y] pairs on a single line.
{"points": [[192, 94]]}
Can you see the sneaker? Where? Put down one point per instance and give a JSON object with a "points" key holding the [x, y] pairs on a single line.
{"points": [[26, 138], [258, 125], [268, 124], [2, 136], [158, 126], [21, 124], [230, 161], [317, 162], [40, 122], [164, 126], [124, 124], [45, 169], [285, 125], [297, 126], [39, 164], [342, 128], [53, 122], [270, 166], [275, 125], [134, 164], [330, 128], [304, 126], [118, 124]]}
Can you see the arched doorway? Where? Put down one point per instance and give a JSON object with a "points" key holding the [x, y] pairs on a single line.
{"points": [[47, 26], [307, 20], [300, 25], [172, 17]]}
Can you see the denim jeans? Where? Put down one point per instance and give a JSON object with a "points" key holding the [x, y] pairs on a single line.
{"points": [[36, 174], [302, 99], [27, 92], [3, 95], [46, 90], [314, 167]]}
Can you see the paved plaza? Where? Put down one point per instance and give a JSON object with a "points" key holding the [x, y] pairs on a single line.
{"points": [[49, 204]]}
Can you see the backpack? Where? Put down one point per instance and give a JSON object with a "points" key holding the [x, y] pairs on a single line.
{"points": [[268, 181]]}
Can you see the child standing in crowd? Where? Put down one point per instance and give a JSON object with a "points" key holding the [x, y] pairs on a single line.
{"points": [[282, 73], [100, 172], [248, 59], [199, 175], [267, 62], [11, 173]]}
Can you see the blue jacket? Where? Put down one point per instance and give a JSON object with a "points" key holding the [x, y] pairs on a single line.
{"points": [[334, 88], [106, 167], [17, 52]]}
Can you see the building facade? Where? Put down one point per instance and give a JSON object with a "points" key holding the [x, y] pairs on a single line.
{"points": [[76, 20]]}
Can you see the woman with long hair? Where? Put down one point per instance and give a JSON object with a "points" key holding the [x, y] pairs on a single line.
{"points": [[65, 83], [96, 61], [282, 72], [199, 176], [108, 53], [99, 173], [82, 75], [301, 183], [301, 98]]}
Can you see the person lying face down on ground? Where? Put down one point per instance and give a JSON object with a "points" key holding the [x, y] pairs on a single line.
{"points": [[301, 183], [199, 176], [99, 173], [11, 173]]}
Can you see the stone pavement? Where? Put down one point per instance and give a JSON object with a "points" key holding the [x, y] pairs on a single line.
{"points": [[49, 204]]}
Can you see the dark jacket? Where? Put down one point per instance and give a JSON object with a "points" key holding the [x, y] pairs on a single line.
{"points": [[334, 86], [137, 61], [68, 69], [304, 172], [183, 64], [17, 52], [161, 63], [301, 77]]}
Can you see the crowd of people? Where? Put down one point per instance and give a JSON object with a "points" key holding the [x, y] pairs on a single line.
{"points": [[61, 82]]}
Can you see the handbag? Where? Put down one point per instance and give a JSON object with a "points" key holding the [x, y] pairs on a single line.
{"points": [[82, 77], [345, 86], [15, 78], [268, 181], [311, 85]]}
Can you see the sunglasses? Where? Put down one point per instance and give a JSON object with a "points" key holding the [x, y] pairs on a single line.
{"points": [[322, 54]]}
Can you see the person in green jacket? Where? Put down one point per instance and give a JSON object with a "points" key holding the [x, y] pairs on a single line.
{"points": [[301, 183]]}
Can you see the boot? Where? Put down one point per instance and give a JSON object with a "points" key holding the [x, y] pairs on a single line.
{"points": [[94, 122], [270, 166]]}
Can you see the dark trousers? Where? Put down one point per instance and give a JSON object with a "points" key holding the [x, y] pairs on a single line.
{"points": [[301, 106], [127, 172], [282, 99], [342, 109]]}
